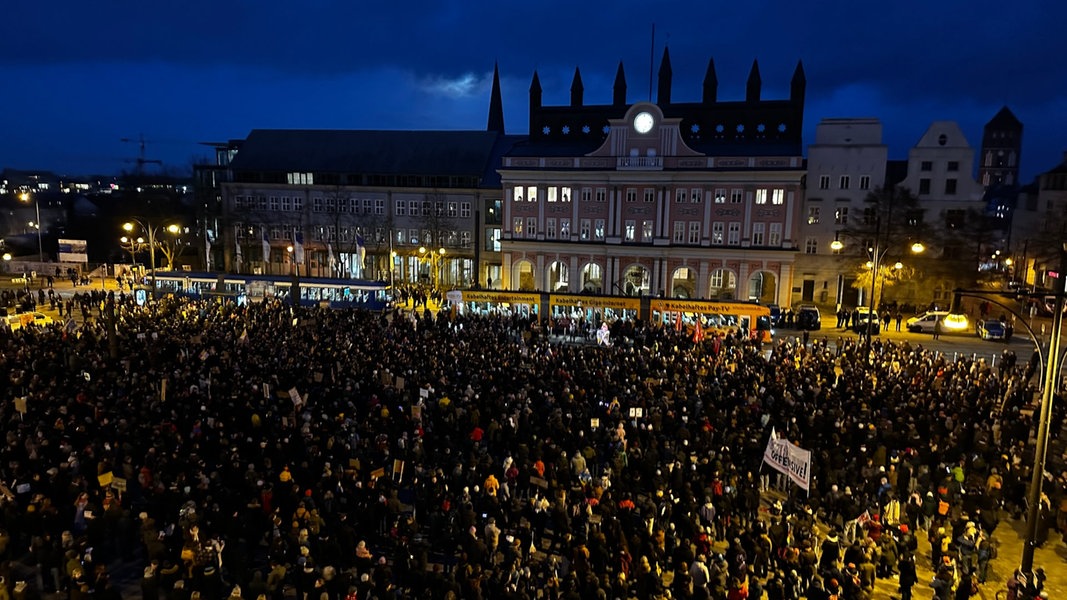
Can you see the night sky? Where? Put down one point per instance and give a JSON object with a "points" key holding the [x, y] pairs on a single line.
{"points": [[80, 76]]}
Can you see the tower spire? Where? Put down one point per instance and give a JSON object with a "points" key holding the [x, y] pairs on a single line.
{"points": [[496, 104]]}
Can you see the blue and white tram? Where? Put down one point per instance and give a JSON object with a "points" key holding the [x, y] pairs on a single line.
{"points": [[312, 291]]}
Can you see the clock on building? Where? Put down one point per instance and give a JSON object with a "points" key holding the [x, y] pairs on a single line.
{"points": [[643, 122]]}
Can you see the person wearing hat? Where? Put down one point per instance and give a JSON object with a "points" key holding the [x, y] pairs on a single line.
{"points": [[831, 552]]}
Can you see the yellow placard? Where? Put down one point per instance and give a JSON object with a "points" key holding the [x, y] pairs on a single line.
{"points": [[105, 479]]}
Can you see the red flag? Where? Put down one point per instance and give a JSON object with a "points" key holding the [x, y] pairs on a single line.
{"points": [[698, 334], [678, 323]]}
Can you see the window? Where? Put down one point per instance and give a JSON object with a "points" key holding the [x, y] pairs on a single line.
{"points": [[720, 196], [368, 206], [553, 194], [733, 234], [650, 195], [924, 186], [587, 195], [465, 239], [679, 232], [276, 233], [517, 194], [583, 229], [843, 183], [274, 203], [453, 209], [287, 204], [494, 239], [646, 231], [813, 215], [331, 204], [841, 215], [926, 166], [550, 229], [761, 196], [440, 208], [680, 196], [694, 232], [737, 196], [774, 236], [531, 194], [717, 232], [953, 166], [531, 227], [811, 246], [465, 210], [758, 233], [629, 231], [598, 230], [824, 182], [261, 202], [565, 229], [564, 194], [413, 207], [631, 195], [317, 204], [298, 204], [950, 187], [865, 182], [401, 208], [379, 207], [516, 226], [778, 196], [427, 208], [301, 179], [601, 195], [696, 196]]}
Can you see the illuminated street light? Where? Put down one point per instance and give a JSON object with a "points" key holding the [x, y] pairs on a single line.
{"points": [[25, 197], [147, 226]]}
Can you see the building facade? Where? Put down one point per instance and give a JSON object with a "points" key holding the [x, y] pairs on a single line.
{"points": [[690, 200]]}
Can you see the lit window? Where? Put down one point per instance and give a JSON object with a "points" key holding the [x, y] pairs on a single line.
{"points": [[531, 194], [841, 215], [516, 226], [718, 233], [584, 227], [565, 229], [552, 191], [761, 196], [778, 196], [517, 195], [630, 231], [599, 230], [564, 194], [813, 215], [720, 196]]}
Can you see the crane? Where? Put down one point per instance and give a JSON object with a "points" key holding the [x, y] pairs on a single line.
{"points": [[141, 160]]}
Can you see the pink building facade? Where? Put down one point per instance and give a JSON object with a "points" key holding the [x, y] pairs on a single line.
{"points": [[697, 200]]}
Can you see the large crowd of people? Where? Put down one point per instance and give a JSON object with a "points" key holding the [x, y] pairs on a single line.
{"points": [[262, 451]]}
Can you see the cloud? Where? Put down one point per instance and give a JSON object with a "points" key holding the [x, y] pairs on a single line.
{"points": [[463, 86]]}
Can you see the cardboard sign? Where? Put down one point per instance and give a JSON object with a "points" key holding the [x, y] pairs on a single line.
{"points": [[118, 483], [424, 393], [376, 473], [539, 482], [20, 405], [294, 395], [400, 383], [105, 479]]}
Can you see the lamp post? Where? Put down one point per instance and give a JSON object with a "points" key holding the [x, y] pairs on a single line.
{"points": [[134, 245], [25, 197], [434, 257], [1051, 360], [151, 230]]}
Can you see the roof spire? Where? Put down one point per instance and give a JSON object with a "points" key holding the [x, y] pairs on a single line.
{"points": [[663, 95], [711, 83], [754, 83], [577, 89], [496, 104], [798, 84], [618, 97]]}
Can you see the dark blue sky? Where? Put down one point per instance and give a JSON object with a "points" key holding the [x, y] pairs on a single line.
{"points": [[79, 76]]}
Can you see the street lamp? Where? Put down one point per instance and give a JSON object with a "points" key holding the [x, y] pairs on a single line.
{"points": [[435, 261], [134, 246], [877, 254], [25, 197], [147, 226]]}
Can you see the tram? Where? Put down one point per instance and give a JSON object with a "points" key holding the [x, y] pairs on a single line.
{"points": [[312, 291]]}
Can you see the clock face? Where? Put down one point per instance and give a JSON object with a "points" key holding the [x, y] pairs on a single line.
{"points": [[643, 122]]}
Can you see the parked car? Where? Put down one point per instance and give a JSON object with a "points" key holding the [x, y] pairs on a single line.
{"points": [[925, 322], [863, 321], [776, 315], [808, 317], [991, 329]]}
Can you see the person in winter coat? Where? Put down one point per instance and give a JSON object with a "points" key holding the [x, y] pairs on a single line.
{"points": [[908, 576]]}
